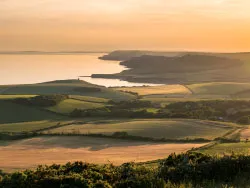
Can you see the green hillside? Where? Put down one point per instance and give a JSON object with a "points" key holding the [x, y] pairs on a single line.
{"points": [[69, 87], [67, 106], [15, 113], [218, 88]]}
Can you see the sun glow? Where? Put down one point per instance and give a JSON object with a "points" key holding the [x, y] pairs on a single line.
{"points": [[110, 24]]}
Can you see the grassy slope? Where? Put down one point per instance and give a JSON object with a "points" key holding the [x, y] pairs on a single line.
{"points": [[158, 128], [227, 148], [67, 106], [15, 96], [18, 118], [218, 88], [89, 99], [64, 87], [14, 113], [156, 90]]}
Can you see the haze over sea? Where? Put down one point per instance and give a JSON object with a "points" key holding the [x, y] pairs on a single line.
{"points": [[36, 68]]}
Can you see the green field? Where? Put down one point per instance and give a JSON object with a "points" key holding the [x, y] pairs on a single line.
{"points": [[15, 96], [218, 88], [89, 99], [157, 128], [14, 113], [227, 148], [67, 106]]}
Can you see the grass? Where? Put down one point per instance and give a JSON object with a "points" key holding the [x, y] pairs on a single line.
{"points": [[15, 96], [64, 87], [157, 128], [14, 113], [89, 99], [156, 90], [218, 88], [67, 106], [30, 153], [227, 148]]}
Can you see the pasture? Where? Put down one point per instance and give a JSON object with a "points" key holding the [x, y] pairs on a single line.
{"points": [[15, 113], [157, 90], [29, 153], [88, 99], [154, 128], [218, 88], [15, 96], [68, 105]]}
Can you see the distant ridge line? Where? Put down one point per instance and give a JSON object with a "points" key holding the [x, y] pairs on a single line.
{"points": [[54, 52]]}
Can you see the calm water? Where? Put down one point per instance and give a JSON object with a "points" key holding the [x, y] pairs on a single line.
{"points": [[26, 69]]}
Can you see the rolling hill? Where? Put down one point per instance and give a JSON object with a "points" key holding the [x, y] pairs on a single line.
{"points": [[69, 87]]}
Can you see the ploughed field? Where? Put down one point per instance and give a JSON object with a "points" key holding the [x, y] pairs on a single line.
{"points": [[29, 153]]}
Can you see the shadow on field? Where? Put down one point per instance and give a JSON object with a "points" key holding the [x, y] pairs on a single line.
{"points": [[77, 142]]}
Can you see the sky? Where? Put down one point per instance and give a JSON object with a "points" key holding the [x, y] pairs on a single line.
{"points": [[105, 25]]}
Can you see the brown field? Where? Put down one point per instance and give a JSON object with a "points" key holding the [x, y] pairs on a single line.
{"points": [[245, 134], [157, 90], [29, 153]]}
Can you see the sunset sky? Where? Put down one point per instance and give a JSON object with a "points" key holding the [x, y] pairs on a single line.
{"points": [[104, 25]]}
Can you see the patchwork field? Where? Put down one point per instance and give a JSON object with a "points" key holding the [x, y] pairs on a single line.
{"points": [[48, 150], [157, 128], [156, 90]]}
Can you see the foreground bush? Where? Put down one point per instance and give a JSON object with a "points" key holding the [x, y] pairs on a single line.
{"points": [[184, 170]]}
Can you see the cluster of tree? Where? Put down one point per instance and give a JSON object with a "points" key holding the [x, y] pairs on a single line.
{"points": [[192, 169], [126, 136], [132, 93], [231, 110], [197, 167], [41, 100], [111, 112], [222, 110]]}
